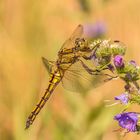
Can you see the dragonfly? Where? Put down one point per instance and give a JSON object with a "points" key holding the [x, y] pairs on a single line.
{"points": [[69, 54]]}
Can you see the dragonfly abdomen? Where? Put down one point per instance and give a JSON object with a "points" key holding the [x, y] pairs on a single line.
{"points": [[55, 79]]}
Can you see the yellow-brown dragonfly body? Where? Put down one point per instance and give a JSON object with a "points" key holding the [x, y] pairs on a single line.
{"points": [[55, 78], [74, 48]]}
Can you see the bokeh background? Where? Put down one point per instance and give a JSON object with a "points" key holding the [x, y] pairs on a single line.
{"points": [[30, 29]]}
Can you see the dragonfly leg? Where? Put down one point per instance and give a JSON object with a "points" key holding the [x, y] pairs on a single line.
{"points": [[97, 71], [91, 71], [94, 49], [110, 77], [89, 57]]}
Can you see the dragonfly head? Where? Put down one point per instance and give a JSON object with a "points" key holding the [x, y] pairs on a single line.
{"points": [[81, 44]]}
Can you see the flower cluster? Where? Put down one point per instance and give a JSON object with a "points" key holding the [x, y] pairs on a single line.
{"points": [[110, 56], [129, 72]]}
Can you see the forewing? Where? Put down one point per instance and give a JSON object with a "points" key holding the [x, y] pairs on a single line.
{"points": [[77, 33]]}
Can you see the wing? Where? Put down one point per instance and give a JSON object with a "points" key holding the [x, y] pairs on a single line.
{"points": [[48, 64], [77, 79], [78, 32]]}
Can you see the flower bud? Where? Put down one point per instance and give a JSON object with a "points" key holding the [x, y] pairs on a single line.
{"points": [[118, 61]]}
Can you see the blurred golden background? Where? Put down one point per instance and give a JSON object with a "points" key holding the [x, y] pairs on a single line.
{"points": [[30, 29]]}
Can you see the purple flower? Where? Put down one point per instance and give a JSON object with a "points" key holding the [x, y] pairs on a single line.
{"points": [[118, 61], [128, 120], [123, 98]]}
